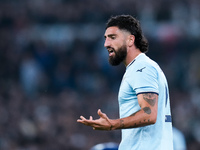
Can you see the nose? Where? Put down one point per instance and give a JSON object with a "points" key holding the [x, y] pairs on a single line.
{"points": [[106, 43]]}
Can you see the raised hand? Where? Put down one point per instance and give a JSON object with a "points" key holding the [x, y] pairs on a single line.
{"points": [[103, 123]]}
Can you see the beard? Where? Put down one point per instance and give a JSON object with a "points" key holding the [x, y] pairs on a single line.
{"points": [[119, 56]]}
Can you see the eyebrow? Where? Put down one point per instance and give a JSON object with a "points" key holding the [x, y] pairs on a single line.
{"points": [[110, 35]]}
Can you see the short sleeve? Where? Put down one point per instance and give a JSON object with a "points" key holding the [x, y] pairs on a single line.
{"points": [[144, 79]]}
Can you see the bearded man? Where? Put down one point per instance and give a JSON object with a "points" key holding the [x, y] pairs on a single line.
{"points": [[145, 115]]}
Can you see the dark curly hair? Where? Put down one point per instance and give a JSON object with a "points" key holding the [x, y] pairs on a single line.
{"points": [[132, 25]]}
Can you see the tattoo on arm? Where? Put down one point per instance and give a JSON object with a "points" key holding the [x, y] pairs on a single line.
{"points": [[150, 98], [121, 123], [147, 110]]}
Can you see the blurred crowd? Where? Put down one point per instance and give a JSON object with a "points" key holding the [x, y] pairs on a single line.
{"points": [[54, 68]]}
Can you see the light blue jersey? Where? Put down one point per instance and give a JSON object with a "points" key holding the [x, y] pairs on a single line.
{"points": [[141, 76]]}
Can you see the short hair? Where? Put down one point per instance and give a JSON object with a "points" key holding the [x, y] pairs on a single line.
{"points": [[132, 25]]}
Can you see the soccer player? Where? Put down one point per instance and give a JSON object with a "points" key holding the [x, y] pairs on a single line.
{"points": [[145, 115]]}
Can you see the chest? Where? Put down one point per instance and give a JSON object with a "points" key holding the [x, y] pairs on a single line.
{"points": [[127, 98]]}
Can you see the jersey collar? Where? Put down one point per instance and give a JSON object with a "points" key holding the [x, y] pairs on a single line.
{"points": [[134, 60]]}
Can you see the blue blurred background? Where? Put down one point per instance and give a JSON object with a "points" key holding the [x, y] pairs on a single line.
{"points": [[54, 68]]}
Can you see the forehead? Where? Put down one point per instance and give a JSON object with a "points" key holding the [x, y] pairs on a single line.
{"points": [[115, 31], [112, 30]]}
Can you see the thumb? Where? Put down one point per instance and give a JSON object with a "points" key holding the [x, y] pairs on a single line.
{"points": [[103, 115]]}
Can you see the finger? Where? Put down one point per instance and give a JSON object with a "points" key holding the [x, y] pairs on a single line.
{"points": [[88, 122], [79, 120], [83, 118], [99, 128], [85, 122], [103, 115], [99, 112]]}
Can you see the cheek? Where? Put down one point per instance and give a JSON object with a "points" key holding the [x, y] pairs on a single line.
{"points": [[117, 44]]}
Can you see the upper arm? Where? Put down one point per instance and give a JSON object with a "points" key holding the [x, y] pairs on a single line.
{"points": [[149, 103]]}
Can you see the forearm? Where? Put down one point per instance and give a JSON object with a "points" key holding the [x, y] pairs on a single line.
{"points": [[141, 118]]}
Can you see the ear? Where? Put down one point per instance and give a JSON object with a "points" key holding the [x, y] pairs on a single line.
{"points": [[131, 40]]}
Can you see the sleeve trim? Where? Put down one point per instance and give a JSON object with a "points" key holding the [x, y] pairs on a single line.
{"points": [[146, 92]]}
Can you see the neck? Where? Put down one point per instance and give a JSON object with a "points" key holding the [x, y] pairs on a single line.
{"points": [[131, 55]]}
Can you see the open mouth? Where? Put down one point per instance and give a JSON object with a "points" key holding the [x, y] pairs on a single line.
{"points": [[111, 51]]}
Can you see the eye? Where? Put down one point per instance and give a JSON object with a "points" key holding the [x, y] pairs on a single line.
{"points": [[113, 37]]}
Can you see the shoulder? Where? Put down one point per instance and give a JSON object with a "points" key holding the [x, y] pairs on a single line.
{"points": [[143, 59], [143, 64]]}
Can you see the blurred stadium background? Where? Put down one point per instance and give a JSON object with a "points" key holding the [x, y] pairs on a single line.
{"points": [[53, 68]]}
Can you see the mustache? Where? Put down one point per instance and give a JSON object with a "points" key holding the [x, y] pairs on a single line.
{"points": [[110, 48]]}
